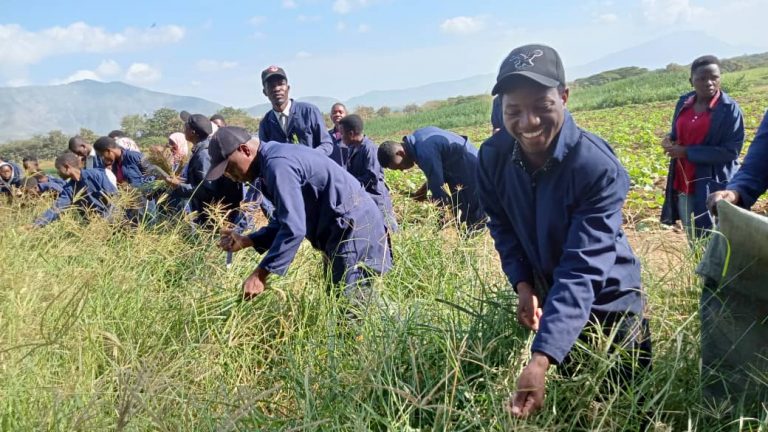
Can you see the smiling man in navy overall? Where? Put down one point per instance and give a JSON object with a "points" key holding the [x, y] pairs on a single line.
{"points": [[315, 199], [554, 195]]}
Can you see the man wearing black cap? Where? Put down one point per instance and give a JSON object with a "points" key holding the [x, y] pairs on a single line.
{"points": [[290, 121], [554, 195], [315, 199], [194, 187]]}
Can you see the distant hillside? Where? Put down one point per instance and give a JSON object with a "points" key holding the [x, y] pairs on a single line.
{"points": [[677, 47], [25, 111], [478, 84], [322, 102]]}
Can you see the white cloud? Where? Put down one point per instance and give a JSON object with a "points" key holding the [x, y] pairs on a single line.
{"points": [[308, 18], [257, 20], [607, 18], [671, 11], [207, 65], [341, 26], [79, 75], [303, 55], [258, 35], [463, 25], [289, 4], [17, 82], [142, 73], [19, 46], [108, 68], [346, 6], [363, 28]]}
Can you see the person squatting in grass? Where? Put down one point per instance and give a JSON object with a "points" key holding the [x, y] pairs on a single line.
{"points": [[37, 181], [129, 167], [88, 189], [90, 159], [554, 195], [704, 145], [340, 150], [315, 199], [9, 185], [193, 187], [363, 164], [444, 157]]}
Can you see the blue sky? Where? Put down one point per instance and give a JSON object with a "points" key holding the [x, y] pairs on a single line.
{"points": [[336, 48]]}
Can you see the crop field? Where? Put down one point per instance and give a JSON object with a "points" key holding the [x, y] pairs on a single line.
{"points": [[110, 327]]}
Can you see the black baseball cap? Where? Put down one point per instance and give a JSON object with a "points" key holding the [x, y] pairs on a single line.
{"points": [[539, 63], [272, 71], [222, 145], [184, 115], [200, 124]]}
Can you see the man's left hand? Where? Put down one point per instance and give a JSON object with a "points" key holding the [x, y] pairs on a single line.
{"points": [[529, 395]]}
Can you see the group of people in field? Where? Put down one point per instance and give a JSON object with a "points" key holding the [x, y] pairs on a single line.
{"points": [[550, 194]]}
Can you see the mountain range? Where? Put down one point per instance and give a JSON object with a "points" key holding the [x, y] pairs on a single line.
{"points": [[25, 111]]}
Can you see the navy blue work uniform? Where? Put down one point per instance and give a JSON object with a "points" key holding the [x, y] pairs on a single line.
{"points": [[54, 184], [559, 229], [364, 166], [340, 150], [316, 199], [92, 192], [751, 180], [446, 157], [716, 160], [305, 126], [134, 169], [201, 192]]}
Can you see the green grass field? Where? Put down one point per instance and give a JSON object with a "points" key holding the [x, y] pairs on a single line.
{"points": [[112, 328]]}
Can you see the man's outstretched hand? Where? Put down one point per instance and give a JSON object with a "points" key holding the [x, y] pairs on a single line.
{"points": [[725, 195], [232, 242], [529, 395]]}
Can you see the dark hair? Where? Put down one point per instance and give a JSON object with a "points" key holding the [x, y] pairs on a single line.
{"points": [[116, 134], [704, 61], [29, 158], [387, 152], [217, 117], [104, 143], [352, 123], [338, 104], [73, 142], [67, 158]]}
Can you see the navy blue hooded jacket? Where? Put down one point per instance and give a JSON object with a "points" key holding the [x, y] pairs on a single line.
{"points": [[751, 180], [364, 165], [54, 184], [305, 126], [715, 159], [315, 199], [559, 229], [446, 157], [92, 191]]}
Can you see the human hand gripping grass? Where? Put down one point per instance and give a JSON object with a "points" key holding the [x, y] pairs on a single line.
{"points": [[254, 284], [529, 394]]}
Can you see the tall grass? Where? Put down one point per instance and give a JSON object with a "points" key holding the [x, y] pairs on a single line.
{"points": [[107, 327]]}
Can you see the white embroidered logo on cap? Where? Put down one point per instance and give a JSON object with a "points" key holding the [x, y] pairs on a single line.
{"points": [[525, 61]]}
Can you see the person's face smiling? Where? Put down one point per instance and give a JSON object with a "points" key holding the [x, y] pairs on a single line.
{"points": [[337, 114], [534, 115]]}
